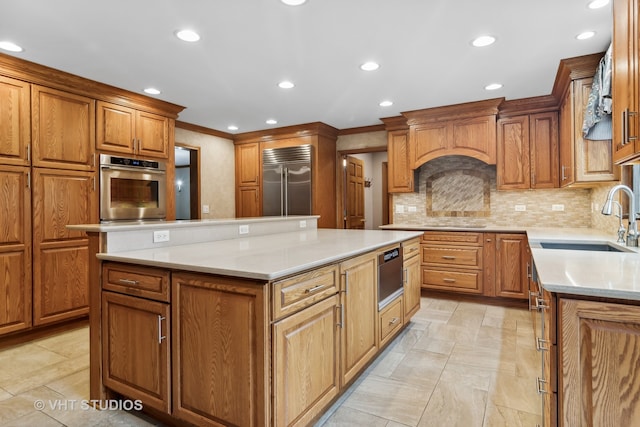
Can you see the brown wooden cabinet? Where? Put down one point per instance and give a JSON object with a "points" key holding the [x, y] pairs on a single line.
{"points": [[411, 274], [248, 180], [400, 173], [63, 129], [248, 202], [219, 331], [598, 350], [359, 333], [15, 249], [528, 151], [513, 267], [130, 131], [136, 344], [306, 364], [15, 115], [60, 255], [626, 73]]}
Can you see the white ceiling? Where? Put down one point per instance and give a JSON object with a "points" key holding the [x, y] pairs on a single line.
{"points": [[230, 76]]}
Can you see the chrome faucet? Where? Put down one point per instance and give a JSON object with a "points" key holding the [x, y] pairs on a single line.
{"points": [[607, 208], [621, 230]]}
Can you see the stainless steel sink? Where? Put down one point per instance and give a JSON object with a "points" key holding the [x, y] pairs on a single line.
{"points": [[602, 247]]}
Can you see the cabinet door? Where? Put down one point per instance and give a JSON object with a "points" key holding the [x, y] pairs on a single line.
{"points": [[513, 162], [360, 310], [475, 137], [248, 164], [594, 161], [152, 132], [15, 119], [512, 259], [429, 141], [135, 348], [625, 79], [544, 150], [115, 128], [15, 249], [248, 202], [400, 171], [305, 363], [600, 380], [567, 146], [411, 286], [63, 129], [60, 255], [219, 351]]}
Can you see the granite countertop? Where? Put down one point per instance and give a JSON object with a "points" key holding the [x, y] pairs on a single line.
{"points": [[265, 257]]}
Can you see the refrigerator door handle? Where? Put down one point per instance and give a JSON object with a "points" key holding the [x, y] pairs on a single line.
{"points": [[286, 191], [283, 203]]}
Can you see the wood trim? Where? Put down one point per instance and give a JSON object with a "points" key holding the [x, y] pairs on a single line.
{"points": [[533, 105], [361, 129], [41, 75], [308, 129], [204, 130], [194, 197], [452, 112], [97, 391], [572, 69], [395, 123]]}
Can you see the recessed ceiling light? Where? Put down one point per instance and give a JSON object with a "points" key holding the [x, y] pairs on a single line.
{"points": [[271, 122], [586, 35], [386, 104], [493, 86], [597, 4], [293, 2], [187, 35], [286, 84], [483, 41], [10, 46], [152, 91], [370, 66], [232, 127]]}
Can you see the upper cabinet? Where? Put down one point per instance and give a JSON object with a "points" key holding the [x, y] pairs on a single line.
{"points": [[130, 131], [582, 161], [465, 129], [400, 173], [15, 119], [63, 129], [626, 72], [528, 144]]}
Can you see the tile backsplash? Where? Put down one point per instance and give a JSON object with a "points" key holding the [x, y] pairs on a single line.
{"points": [[504, 207]]}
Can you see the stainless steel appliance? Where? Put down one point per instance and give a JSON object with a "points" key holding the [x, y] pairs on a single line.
{"points": [[389, 276], [286, 181], [132, 189]]}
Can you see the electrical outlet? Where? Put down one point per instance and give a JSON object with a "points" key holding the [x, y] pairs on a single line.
{"points": [[205, 208], [520, 208], [303, 224], [412, 209], [399, 208], [160, 236], [243, 229], [558, 208]]}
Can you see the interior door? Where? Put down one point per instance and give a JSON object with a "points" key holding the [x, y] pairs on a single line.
{"points": [[354, 217]]}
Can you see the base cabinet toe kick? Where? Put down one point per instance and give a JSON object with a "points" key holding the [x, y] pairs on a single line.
{"points": [[210, 350]]}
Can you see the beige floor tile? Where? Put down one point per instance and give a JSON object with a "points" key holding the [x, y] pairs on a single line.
{"points": [[27, 403], [418, 324], [74, 386], [500, 322], [390, 399], [435, 345], [431, 315], [484, 357], [69, 344], [514, 392], [35, 418], [467, 318], [347, 417], [4, 394], [496, 338], [439, 304], [46, 374], [471, 376], [498, 416], [407, 340], [395, 424], [448, 333], [420, 368], [528, 362], [25, 360], [454, 404], [385, 366]]}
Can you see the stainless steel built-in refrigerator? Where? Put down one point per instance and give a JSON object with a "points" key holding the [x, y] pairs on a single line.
{"points": [[286, 181]]}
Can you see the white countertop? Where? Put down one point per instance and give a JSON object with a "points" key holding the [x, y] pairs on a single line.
{"points": [[265, 257]]}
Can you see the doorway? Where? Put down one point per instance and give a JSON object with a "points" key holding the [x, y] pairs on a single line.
{"points": [[187, 184]]}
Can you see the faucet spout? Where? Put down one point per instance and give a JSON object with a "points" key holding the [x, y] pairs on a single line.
{"points": [[607, 208]]}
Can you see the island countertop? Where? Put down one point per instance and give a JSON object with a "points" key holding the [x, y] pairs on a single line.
{"points": [[266, 257]]}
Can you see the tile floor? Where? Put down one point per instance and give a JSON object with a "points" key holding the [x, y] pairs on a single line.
{"points": [[458, 364]]}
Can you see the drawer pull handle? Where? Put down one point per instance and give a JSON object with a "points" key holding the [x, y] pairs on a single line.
{"points": [[315, 288], [449, 280], [160, 336], [449, 257], [540, 344], [534, 295], [540, 304], [393, 320], [128, 282], [539, 386]]}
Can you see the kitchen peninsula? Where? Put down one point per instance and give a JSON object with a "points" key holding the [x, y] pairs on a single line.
{"points": [[248, 322]]}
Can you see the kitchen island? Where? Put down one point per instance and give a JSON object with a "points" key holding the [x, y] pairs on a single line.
{"points": [[242, 322]]}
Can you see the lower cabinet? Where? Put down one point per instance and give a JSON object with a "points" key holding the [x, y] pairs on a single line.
{"points": [[411, 277], [391, 320], [599, 346], [135, 345], [513, 266], [306, 363]]}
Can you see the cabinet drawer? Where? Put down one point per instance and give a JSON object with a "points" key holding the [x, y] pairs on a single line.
{"points": [[459, 257], [390, 320], [146, 282], [410, 248], [294, 293], [455, 238], [470, 282]]}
